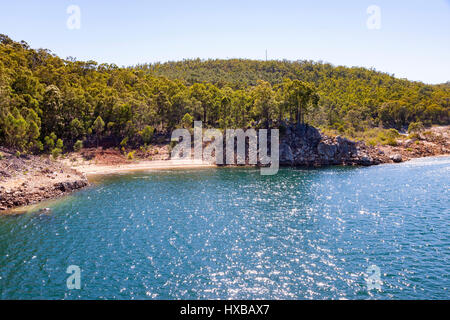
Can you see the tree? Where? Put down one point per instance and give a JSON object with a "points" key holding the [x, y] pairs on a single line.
{"points": [[76, 129], [78, 146], [187, 121], [263, 102], [298, 98], [98, 127], [147, 134], [41, 94], [52, 120]]}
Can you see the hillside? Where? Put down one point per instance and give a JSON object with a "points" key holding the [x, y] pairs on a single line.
{"points": [[356, 97], [49, 104]]}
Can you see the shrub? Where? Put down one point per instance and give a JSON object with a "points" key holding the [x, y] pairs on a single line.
{"points": [[78, 146], [147, 134], [130, 155], [38, 147], [414, 136], [391, 141], [392, 133], [415, 127], [59, 144], [49, 143], [124, 142], [17, 154], [372, 142], [1, 156], [56, 152]]}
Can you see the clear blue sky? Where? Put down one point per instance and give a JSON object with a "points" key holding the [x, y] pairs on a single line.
{"points": [[413, 42]]}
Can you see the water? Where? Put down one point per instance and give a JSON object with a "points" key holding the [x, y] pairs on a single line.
{"points": [[231, 233]]}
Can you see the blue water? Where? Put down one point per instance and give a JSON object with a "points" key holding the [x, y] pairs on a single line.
{"points": [[234, 234]]}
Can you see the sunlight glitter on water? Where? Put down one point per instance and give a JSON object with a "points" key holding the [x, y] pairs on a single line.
{"points": [[231, 233]]}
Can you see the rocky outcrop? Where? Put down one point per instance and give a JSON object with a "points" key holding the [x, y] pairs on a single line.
{"points": [[303, 145], [29, 179], [24, 196]]}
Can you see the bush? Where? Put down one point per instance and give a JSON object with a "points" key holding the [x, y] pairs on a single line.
{"points": [[56, 152], [49, 143], [415, 127], [391, 141], [59, 144], [17, 154], [130, 155], [78, 146], [392, 133], [147, 134], [372, 142], [1, 156], [38, 147], [124, 142], [414, 136]]}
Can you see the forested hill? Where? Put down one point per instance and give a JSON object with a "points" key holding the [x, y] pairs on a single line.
{"points": [[239, 73], [362, 94], [53, 104]]}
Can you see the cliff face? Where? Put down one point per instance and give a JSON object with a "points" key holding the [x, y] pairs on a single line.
{"points": [[303, 145]]}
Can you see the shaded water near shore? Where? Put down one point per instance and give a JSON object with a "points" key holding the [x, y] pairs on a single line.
{"points": [[232, 233]]}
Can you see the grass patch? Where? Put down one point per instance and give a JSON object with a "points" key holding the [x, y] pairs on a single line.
{"points": [[372, 137]]}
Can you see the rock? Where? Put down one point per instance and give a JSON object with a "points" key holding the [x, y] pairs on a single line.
{"points": [[328, 150], [396, 158], [4, 174], [366, 160], [286, 156], [45, 210], [304, 145], [70, 185], [408, 142]]}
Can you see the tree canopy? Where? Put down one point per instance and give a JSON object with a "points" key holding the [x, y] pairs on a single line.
{"points": [[44, 98]]}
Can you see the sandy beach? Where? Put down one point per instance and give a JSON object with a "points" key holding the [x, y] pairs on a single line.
{"points": [[97, 169]]}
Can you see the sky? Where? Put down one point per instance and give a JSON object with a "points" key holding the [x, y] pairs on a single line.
{"points": [[410, 39]]}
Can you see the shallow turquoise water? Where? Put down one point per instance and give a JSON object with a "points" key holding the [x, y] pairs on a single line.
{"points": [[231, 233]]}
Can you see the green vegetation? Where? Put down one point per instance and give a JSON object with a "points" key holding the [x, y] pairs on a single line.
{"points": [[78, 146], [130, 155], [46, 100], [415, 127]]}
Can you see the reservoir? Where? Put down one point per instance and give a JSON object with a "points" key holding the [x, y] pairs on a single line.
{"points": [[231, 233]]}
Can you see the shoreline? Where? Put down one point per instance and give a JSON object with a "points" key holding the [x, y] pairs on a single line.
{"points": [[31, 179], [90, 171], [99, 169]]}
